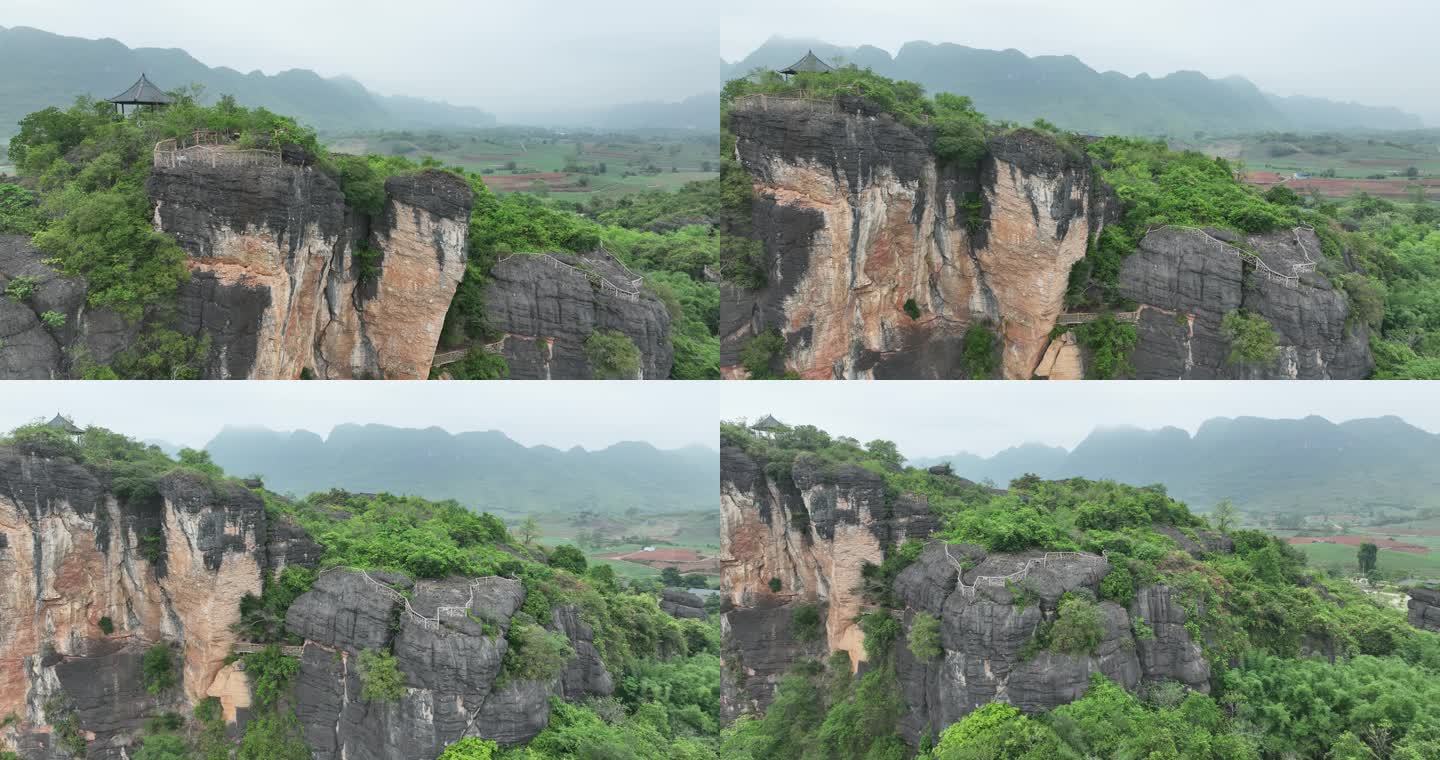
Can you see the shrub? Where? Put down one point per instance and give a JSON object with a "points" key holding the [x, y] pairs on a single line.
{"points": [[107, 626], [1118, 586], [775, 585], [881, 630], [924, 638], [1252, 340], [805, 623], [763, 355], [1078, 628], [981, 354], [158, 669], [612, 355], [380, 677], [1109, 342], [567, 557], [535, 654], [53, 319], [21, 288], [912, 309], [367, 263], [470, 748]]}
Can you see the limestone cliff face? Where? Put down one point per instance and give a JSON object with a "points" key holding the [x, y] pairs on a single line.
{"points": [[1186, 281], [815, 534], [546, 305], [275, 278], [858, 218], [1424, 607], [164, 567], [449, 640]]}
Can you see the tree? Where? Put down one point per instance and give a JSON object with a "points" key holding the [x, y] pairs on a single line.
{"points": [[924, 637], [470, 748], [671, 576], [380, 677], [888, 454], [163, 747], [158, 669], [1224, 515], [529, 530], [567, 557], [612, 355], [1368, 557]]}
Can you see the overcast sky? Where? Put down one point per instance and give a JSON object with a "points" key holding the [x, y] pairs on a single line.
{"points": [[495, 55], [559, 414], [934, 419], [1379, 52]]}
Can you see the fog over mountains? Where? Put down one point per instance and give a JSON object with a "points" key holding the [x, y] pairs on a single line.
{"points": [[1008, 85], [1306, 465], [485, 470]]}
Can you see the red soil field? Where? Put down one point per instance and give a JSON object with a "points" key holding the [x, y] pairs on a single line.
{"points": [[684, 560], [1340, 188], [1383, 543]]}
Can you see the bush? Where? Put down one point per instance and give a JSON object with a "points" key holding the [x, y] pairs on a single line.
{"points": [[107, 626], [1118, 586], [535, 654], [1252, 340], [924, 638], [158, 669], [775, 585], [881, 630], [1109, 342], [981, 355], [21, 288], [1078, 628], [470, 748], [612, 355], [567, 557], [53, 319], [805, 623], [380, 677], [763, 356], [912, 309]]}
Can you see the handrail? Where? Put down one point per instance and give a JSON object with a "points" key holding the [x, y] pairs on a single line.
{"points": [[1081, 317], [605, 284], [1000, 580], [784, 102], [423, 621], [210, 147], [1290, 280]]}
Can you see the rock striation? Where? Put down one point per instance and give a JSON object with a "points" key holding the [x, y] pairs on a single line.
{"points": [[1424, 608], [1187, 280], [448, 637], [879, 258], [162, 566], [859, 219], [284, 277], [677, 602], [546, 306], [823, 528]]}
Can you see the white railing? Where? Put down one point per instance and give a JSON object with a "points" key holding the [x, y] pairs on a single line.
{"points": [[423, 621], [212, 149], [785, 103], [1080, 318], [1000, 580], [1290, 280], [632, 294], [248, 647]]}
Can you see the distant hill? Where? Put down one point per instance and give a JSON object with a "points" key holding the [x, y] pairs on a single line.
{"points": [[1011, 86], [45, 69], [1310, 465], [486, 470]]}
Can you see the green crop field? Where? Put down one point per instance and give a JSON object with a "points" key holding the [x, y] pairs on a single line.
{"points": [[575, 166], [699, 531], [1390, 563]]}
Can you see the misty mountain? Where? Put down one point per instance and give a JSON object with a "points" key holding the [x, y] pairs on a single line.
{"points": [[1009, 85], [485, 470], [1309, 465], [47, 69], [699, 112]]}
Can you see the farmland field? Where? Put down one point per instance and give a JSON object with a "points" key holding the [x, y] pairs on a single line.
{"points": [[575, 165], [1393, 165], [688, 541]]}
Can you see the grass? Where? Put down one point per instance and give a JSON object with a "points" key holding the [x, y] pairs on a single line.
{"points": [[679, 530], [1342, 558]]}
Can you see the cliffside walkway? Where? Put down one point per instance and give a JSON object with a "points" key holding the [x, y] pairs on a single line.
{"points": [[786, 103], [629, 290], [423, 621], [250, 647], [1288, 280], [212, 149], [1015, 577], [450, 357], [1083, 317]]}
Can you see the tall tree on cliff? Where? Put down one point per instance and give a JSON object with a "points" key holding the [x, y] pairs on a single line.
{"points": [[1368, 558]]}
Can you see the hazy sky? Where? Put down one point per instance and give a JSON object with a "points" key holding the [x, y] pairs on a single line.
{"points": [[1380, 52], [559, 414], [495, 55], [933, 419]]}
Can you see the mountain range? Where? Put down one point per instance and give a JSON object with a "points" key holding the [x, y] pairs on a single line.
{"points": [[1308, 465], [484, 470], [1009, 85], [48, 69]]}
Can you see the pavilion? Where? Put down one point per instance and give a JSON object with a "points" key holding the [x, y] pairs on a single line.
{"points": [[768, 426], [810, 64], [142, 93]]}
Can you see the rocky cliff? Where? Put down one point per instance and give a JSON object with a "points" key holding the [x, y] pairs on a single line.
{"points": [[284, 277], [547, 305], [1424, 606], [879, 258], [813, 532], [95, 571]]}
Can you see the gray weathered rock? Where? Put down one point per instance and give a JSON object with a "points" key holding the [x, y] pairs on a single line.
{"points": [[546, 311], [1424, 607], [682, 604], [1186, 283]]}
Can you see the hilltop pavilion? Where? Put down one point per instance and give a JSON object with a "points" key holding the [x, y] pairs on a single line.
{"points": [[768, 426], [810, 64], [142, 93]]}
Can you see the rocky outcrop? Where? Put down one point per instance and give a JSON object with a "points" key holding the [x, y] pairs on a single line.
{"points": [[1187, 280], [879, 258], [1424, 607], [30, 348], [166, 565], [991, 606], [859, 219], [284, 277], [547, 305], [448, 637], [677, 602]]}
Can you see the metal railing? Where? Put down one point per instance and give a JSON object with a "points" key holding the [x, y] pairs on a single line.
{"points": [[1000, 580], [786, 103], [1082, 317], [1290, 280], [630, 293], [212, 149]]}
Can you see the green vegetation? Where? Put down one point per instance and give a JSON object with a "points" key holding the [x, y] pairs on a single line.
{"points": [[912, 309], [107, 626], [805, 623], [763, 356], [1255, 612], [470, 749], [1109, 343], [380, 677], [981, 354], [1252, 340], [612, 355], [21, 288], [535, 654], [158, 669]]}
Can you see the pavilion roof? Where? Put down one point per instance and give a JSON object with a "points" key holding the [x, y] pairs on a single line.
{"points": [[808, 65], [144, 93]]}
